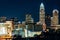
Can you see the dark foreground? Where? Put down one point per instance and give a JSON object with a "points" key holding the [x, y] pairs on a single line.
{"points": [[43, 36]]}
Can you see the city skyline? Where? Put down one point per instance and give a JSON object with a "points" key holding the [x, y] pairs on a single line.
{"points": [[29, 19], [19, 8]]}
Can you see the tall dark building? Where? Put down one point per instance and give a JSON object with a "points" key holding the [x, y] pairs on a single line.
{"points": [[48, 20]]}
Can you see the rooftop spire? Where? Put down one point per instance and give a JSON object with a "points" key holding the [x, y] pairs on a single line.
{"points": [[42, 6]]}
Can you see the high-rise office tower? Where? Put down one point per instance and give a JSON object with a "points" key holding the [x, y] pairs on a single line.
{"points": [[42, 14], [29, 19], [54, 20], [30, 22]]}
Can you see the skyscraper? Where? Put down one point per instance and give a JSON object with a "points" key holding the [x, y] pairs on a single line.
{"points": [[42, 14], [54, 20], [29, 19], [29, 22]]}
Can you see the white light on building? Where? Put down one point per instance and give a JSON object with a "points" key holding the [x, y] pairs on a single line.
{"points": [[3, 31]]}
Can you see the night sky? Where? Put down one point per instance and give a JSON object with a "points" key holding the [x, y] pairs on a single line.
{"points": [[19, 8]]}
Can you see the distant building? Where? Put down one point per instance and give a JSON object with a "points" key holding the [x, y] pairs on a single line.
{"points": [[9, 25], [23, 22], [38, 27], [29, 19], [15, 22], [41, 18], [6, 28], [48, 20], [3, 19], [21, 26], [42, 14], [54, 19], [30, 22]]}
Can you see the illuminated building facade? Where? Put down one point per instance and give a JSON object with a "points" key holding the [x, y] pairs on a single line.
{"points": [[54, 19], [29, 19], [42, 13], [6, 29], [10, 26]]}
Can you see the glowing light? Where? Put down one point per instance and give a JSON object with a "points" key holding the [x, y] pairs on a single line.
{"points": [[26, 33], [55, 10], [42, 5], [3, 30]]}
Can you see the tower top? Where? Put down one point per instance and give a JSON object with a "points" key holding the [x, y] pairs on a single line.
{"points": [[41, 6], [55, 10]]}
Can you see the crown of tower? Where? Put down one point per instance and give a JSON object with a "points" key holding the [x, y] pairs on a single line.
{"points": [[42, 6], [55, 10]]}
